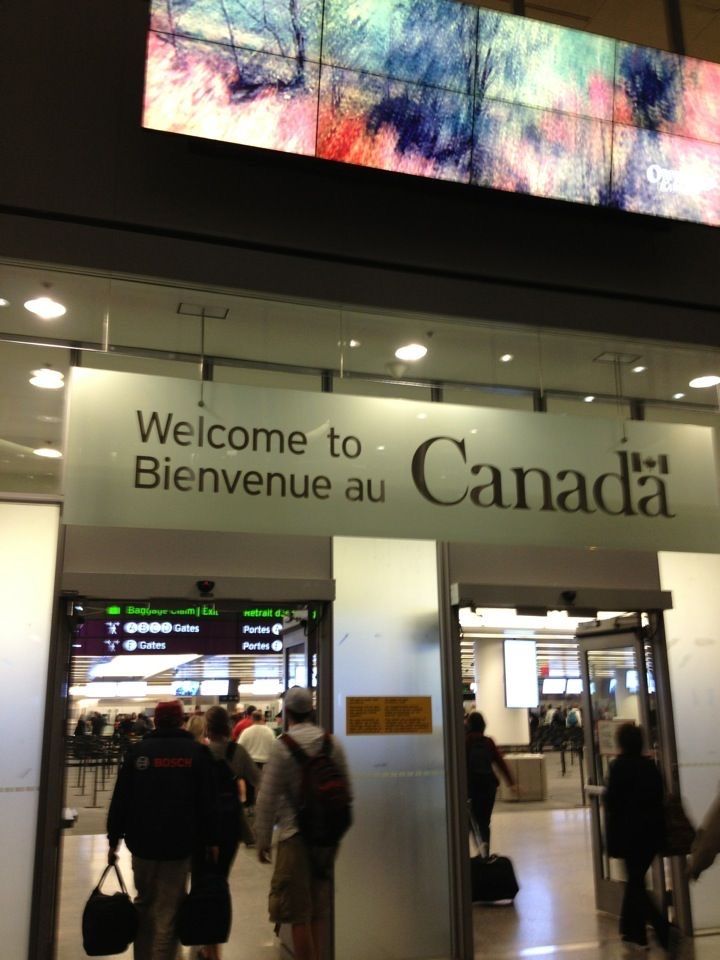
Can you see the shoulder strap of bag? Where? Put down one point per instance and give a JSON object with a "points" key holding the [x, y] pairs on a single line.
{"points": [[294, 748], [230, 750]]}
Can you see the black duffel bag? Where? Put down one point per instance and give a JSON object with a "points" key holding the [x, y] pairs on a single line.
{"points": [[109, 921], [205, 914]]}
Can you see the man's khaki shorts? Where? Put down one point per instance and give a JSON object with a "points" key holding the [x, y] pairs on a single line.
{"points": [[296, 894]]}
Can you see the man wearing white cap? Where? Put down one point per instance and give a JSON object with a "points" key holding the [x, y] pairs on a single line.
{"points": [[301, 887]]}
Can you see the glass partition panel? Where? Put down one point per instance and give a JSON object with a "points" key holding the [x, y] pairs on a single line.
{"points": [[589, 407], [377, 388], [31, 417], [488, 398], [28, 547], [392, 874]]}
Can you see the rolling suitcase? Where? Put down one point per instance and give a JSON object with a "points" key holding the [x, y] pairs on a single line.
{"points": [[493, 879]]}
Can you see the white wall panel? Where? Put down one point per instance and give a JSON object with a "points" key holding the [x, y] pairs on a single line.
{"points": [[693, 639], [392, 877], [28, 546]]}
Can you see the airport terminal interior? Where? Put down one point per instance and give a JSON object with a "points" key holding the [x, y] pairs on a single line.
{"points": [[118, 672]]}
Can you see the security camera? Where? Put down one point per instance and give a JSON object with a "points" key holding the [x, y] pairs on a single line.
{"points": [[205, 587], [568, 597]]}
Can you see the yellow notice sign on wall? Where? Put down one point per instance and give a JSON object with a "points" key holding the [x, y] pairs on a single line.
{"points": [[369, 716]]}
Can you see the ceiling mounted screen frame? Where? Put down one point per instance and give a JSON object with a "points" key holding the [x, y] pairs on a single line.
{"points": [[446, 91]]}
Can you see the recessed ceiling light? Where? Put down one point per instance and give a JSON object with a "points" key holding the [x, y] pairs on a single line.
{"points": [[50, 452], [44, 418], [4, 302], [381, 447], [353, 343], [589, 399], [639, 369], [47, 379], [708, 381], [678, 396], [411, 351], [422, 416], [45, 307], [506, 358]]}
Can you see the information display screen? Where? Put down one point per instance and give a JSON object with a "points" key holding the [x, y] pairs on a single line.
{"points": [[443, 90], [137, 629], [521, 688], [554, 685]]}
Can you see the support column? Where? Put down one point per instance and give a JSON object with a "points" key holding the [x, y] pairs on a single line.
{"points": [[503, 725]]}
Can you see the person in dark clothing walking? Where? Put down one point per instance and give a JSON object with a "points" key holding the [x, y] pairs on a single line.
{"points": [[635, 833], [165, 805], [483, 758]]}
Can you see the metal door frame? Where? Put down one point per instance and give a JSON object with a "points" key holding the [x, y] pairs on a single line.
{"points": [[48, 850], [606, 635], [600, 635], [456, 594]]}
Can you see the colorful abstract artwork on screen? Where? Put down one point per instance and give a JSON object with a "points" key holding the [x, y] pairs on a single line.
{"points": [[444, 90]]}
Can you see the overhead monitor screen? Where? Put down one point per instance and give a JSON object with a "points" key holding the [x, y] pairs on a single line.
{"points": [[574, 686], [521, 688], [214, 688], [443, 90], [553, 685], [632, 684], [186, 688]]}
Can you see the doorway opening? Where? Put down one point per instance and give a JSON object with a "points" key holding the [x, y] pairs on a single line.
{"points": [[554, 681], [123, 658]]}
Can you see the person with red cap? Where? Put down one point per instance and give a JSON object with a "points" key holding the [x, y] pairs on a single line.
{"points": [[165, 805]]}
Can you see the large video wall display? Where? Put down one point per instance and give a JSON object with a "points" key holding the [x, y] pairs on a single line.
{"points": [[443, 90]]}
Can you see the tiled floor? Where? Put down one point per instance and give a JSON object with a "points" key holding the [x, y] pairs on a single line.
{"points": [[553, 916]]}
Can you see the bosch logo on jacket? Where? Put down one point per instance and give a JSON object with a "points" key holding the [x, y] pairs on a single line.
{"points": [[172, 762]]}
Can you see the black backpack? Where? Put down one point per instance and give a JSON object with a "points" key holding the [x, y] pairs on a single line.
{"points": [[324, 808]]}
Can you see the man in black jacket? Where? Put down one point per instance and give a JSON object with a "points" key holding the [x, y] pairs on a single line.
{"points": [[165, 806]]}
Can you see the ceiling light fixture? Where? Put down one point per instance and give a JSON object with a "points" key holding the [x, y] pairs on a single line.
{"points": [[47, 378], [4, 302], [45, 307], [678, 396], [353, 343], [589, 399], [639, 369], [411, 352], [49, 452], [506, 358], [708, 381]]}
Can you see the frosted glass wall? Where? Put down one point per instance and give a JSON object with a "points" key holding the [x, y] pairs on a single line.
{"points": [[392, 896], [693, 640], [28, 544]]}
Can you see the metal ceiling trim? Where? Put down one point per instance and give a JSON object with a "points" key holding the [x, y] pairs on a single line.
{"points": [[574, 600], [131, 586]]}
